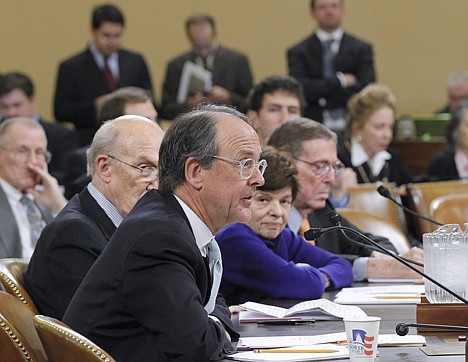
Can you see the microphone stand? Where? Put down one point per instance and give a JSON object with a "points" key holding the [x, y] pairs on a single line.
{"points": [[321, 231], [402, 329], [383, 191]]}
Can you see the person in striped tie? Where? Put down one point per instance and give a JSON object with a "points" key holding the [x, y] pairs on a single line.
{"points": [[29, 195]]}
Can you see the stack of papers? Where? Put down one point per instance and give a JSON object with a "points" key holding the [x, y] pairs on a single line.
{"points": [[392, 294], [294, 353], [385, 340], [321, 309]]}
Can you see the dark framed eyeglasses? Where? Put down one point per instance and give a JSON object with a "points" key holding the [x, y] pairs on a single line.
{"points": [[247, 166], [322, 168], [149, 172]]}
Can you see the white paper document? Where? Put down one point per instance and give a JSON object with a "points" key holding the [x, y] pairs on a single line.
{"points": [[193, 79], [391, 294], [320, 309], [385, 340], [311, 353]]}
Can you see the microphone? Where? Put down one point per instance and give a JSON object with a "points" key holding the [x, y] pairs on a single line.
{"points": [[383, 191], [335, 219], [402, 329], [317, 232]]}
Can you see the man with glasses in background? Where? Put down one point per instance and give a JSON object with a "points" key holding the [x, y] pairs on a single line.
{"points": [[25, 206], [122, 161], [154, 289], [313, 146]]}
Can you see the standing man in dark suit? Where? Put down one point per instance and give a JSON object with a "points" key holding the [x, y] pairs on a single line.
{"points": [[122, 161], [101, 68], [331, 64], [24, 209], [231, 75], [17, 99], [153, 292]]}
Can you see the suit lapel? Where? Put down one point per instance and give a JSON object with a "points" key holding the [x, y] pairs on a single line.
{"points": [[97, 75], [90, 205], [10, 242]]}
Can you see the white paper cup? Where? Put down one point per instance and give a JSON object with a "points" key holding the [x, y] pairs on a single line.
{"points": [[362, 335]]}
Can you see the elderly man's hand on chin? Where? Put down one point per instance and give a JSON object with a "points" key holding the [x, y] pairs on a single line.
{"points": [[50, 195]]}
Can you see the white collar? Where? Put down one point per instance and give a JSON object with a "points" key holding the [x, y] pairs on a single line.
{"points": [[324, 36], [359, 157], [201, 232]]}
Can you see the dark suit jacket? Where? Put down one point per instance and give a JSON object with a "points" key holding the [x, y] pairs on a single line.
{"points": [[10, 241], [394, 169], [335, 242], [75, 178], [143, 298], [230, 70], [64, 253], [80, 82], [355, 56], [61, 141], [442, 166]]}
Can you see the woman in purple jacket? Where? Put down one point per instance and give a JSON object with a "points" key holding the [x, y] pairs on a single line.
{"points": [[264, 259]]}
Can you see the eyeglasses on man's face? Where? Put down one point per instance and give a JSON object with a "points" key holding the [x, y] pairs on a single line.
{"points": [[23, 154], [322, 168], [247, 166], [149, 172]]}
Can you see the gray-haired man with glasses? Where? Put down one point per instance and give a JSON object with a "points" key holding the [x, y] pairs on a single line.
{"points": [[25, 206], [154, 289], [313, 146], [122, 162]]}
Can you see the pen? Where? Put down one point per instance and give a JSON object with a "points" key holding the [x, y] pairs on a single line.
{"points": [[294, 351], [282, 322]]}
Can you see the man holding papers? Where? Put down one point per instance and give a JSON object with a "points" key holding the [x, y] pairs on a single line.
{"points": [[263, 259], [231, 76]]}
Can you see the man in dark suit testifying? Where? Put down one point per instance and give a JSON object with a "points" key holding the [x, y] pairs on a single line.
{"points": [[122, 161], [153, 292], [231, 74], [331, 64], [101, 68]]}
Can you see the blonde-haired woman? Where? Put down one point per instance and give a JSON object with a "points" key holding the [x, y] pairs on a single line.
{"points": [[369, 132]]}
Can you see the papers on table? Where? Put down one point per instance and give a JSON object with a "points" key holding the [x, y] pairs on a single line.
{"points": [[385, 340], [193, 79], [321, 309], [392, 294], [312, 354]]}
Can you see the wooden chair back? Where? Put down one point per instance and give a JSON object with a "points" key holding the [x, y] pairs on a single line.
{"points": [[375, 224], [19, 340], [366, 197], [450, 209], [420, 196], [11, 277], [62, 343]]}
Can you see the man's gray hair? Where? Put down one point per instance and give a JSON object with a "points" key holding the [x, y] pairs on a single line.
{"points": [[27, 121], [192, 134], [105, 141], [290, 135]]}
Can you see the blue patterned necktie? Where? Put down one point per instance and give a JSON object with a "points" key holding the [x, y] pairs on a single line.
{"points": [[328, 59], [216, 269], [36, 222]]}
